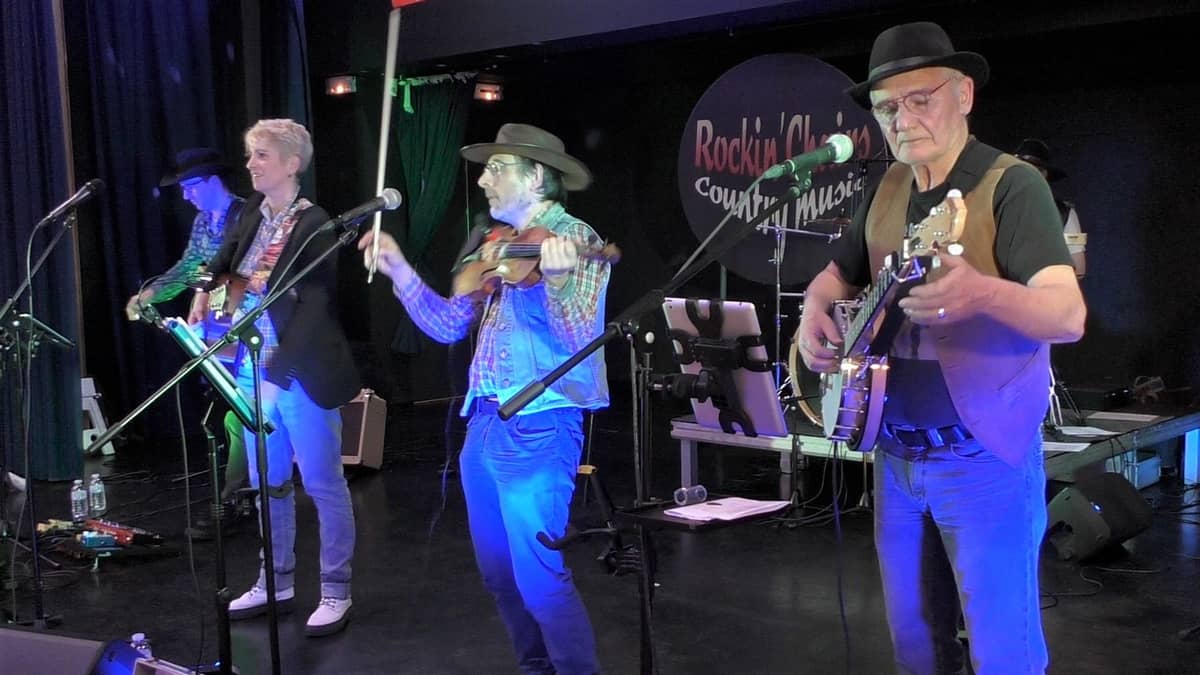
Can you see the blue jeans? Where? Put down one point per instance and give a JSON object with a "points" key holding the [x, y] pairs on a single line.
{"points": [[311, 435], [957, 529], [518, 477]]}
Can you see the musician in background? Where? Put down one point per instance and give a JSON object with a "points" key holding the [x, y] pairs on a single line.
{"points": [[518, 475], [959, 479], [203, 176], [1037, 153], [306, 366]]}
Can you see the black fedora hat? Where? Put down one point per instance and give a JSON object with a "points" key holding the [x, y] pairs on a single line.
{"points": [[526, 140], [195, 163], [1036, 152], [910, 46]]}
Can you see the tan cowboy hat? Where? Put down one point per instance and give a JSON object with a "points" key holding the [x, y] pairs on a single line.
{"points": [[910, 46], [526, 140]]}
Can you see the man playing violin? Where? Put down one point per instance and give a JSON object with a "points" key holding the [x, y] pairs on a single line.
{"points": [[959, 477], [518, 475]]}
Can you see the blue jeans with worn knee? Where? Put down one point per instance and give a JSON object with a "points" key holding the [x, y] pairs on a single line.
{"points": [[312, 436], [957, 529], [518, 477]]}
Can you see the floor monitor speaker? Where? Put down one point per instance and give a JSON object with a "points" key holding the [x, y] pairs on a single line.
{"points": [[24, 651], [1095, 513]]}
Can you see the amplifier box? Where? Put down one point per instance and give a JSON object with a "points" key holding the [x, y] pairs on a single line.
{"points": [[363, 422]]}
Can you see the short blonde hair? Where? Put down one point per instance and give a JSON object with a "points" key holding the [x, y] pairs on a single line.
{"points": [[288, 136]]}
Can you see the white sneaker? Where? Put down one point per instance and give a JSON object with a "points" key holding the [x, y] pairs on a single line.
{"points": [[330, 617], [15, 482], [254, 602]]}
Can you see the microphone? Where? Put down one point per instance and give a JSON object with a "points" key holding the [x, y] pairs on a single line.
{"points": [[386, 201], [84, 193], [837, 149]]}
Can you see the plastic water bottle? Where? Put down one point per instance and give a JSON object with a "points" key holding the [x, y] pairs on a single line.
{"points": [[139, 642], [79, 501], [97, 500]]}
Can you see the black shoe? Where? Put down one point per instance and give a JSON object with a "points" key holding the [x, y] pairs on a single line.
{"points": [[203, 529]]}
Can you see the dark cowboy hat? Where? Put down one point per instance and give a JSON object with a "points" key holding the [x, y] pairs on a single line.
{"points": [[195, 163], [1036, 152], [910, 46], [526, 140]]}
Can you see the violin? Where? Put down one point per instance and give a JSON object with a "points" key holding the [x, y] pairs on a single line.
{"points": [[507, 256]]}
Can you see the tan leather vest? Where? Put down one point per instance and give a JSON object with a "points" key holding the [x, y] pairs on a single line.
{"points": [[998, 379]]}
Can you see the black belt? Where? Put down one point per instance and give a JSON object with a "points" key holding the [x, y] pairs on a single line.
{"points": [[919, 438], [485, 405]]}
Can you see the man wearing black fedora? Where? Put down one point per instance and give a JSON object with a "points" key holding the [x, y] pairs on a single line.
{"points": [[1036, 152], [518, 475], [959, 479], [202, 175]]}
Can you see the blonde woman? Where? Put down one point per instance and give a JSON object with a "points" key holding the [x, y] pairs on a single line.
{"points": [[307, 370]]}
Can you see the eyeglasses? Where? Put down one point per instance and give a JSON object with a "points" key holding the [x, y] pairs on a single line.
{"points": [[493, 167], [916, 102]]}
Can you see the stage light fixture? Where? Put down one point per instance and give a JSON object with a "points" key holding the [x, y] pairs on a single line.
{"points": [[341, 85], [489, 91]]}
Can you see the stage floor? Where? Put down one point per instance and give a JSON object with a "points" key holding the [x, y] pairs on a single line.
{"points": [[760, 598]]}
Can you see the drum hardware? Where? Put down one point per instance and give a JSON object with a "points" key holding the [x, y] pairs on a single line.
{"points": [[829, 237], [793, 361]]}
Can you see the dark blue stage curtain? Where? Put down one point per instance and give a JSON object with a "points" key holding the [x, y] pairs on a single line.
{"points": [[142, 76], [147, 79], [33, 179]]}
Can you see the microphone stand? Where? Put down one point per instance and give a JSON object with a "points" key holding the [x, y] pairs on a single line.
{"points": [[223, 596], [626, 323], [8, 304], [244, 331], [40, 620]]}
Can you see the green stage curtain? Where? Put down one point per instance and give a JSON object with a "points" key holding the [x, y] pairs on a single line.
{"points": [[428, 140]]}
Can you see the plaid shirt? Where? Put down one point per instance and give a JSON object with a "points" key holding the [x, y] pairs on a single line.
{"points": [[272, 235], [573, 311], [203, 244]]}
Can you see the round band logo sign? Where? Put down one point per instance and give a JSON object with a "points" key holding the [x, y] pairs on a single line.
{"points": [[758, 114]]}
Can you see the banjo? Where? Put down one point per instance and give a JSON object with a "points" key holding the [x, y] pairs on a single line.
{"points": [[852, 397]]}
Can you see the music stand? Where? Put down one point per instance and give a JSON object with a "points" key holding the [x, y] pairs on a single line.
{"points": [[723, 338], [36, 332]]}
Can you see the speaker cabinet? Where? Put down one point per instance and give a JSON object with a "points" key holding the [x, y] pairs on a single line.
{"points": [[363, 422], [24, 651], [1097, 512]]}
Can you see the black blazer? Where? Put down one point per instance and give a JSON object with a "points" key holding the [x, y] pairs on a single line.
{"points": [[312, 346]]}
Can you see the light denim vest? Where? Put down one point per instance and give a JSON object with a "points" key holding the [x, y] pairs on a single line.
{"points": [[526, 350]]}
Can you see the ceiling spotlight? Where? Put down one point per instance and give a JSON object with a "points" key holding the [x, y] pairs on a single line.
{"points": [[489, 91], [341, 85]]}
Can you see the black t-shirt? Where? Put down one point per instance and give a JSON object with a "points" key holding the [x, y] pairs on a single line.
{"points": [[1028, 239]]}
